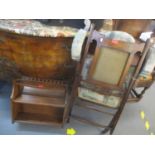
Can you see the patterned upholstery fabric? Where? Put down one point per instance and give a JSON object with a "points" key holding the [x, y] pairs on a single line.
{"points": [[111, 101], [119, 35], [35, 28]]}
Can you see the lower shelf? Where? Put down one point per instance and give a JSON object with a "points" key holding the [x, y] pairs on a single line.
{"points": [[38, 119], [38, 114], [38, 105]]}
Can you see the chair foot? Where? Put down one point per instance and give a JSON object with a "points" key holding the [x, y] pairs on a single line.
{"points": [[68, 120], [104, 131], [111, 131]]}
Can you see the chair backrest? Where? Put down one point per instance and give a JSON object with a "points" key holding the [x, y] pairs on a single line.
{"points": [[110, 62], [111, 71]]}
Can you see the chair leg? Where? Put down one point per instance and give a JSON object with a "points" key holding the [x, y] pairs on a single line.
{"points": [[104, 131], [111, 131], [68, 120]]}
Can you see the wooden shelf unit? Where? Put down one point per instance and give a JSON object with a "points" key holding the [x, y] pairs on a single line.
{"points": [[39, 105]]}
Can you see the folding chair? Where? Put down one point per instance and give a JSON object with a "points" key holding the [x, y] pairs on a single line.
{"points": [[102, 77]]}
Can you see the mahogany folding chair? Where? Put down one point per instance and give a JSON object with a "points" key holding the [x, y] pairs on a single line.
{"points": [[102, 77]]}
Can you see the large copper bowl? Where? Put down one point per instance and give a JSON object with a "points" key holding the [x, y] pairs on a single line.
{"points": [[40, 57]]}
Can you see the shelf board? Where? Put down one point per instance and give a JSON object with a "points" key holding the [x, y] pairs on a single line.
{"points": [[44, 92], [39, 100], [38, 119]]}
